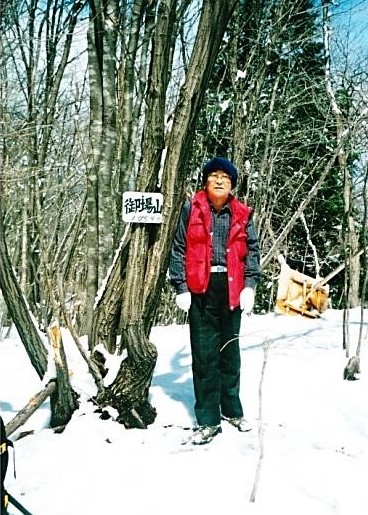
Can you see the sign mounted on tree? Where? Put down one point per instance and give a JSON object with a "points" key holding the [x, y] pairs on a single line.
{"points": [[141, 207]]}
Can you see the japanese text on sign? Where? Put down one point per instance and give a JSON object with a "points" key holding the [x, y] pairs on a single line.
{"points": [[142, 207]]}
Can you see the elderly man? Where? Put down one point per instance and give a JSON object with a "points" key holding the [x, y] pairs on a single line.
{"points": [[214, 268]]}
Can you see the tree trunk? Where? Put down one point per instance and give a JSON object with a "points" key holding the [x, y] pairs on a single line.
{"points": [[95, 142], [149, 245], [129, 392], [132, 88], [350, 237], [106, 319], [63, 399], [18, 308], [108, 11]]}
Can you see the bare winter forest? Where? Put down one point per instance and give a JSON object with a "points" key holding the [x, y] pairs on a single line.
{"points": [[100, 97]]}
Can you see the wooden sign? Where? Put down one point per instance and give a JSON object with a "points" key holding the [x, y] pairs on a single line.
{"points": [[142, 207]]}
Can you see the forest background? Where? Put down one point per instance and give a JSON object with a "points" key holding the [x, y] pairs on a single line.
{"points": [[101, 97]]}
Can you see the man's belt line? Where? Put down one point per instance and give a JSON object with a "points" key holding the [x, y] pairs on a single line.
{"points": [[218, 268]]}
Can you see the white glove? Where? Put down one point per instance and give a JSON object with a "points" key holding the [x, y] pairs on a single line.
{"points": [[247, 299], [184, 300]]}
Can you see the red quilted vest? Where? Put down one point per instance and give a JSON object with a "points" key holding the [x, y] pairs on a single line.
{"points": [[199, 247]]}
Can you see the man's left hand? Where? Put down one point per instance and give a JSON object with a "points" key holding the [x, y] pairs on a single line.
{"points": [[247, 300]]}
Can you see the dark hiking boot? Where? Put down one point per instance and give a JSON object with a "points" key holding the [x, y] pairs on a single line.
{"points": [[240, 423], [205, 434]]}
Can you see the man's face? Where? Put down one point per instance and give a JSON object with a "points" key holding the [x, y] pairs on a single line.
{"points": [[218, 186]]}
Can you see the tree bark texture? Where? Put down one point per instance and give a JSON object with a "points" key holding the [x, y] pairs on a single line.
{"points": [[18, 308], [95, 143], [106, 16], [63, 399], [107, 313], [129, 392]]}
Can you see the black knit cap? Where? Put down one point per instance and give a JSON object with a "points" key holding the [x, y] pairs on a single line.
{"points": [[220, 163]]}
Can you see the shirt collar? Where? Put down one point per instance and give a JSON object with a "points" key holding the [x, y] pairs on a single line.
{"points": [[225, 208]]}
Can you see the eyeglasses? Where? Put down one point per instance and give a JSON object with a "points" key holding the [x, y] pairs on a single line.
{"points": [[219, 177]]}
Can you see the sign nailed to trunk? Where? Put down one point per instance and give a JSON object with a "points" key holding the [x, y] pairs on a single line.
{"points": [[142, 207]]}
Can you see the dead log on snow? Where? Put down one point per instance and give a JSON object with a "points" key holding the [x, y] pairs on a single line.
{"points": [[28, 410], [62, 397]]}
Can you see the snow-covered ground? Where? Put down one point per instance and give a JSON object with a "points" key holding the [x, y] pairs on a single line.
{"points": [[315, 428]]}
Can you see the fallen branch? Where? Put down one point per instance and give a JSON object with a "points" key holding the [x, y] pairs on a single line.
{"points": [[340, 267], [28, 410]]}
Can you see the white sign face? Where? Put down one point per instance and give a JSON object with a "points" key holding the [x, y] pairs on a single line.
{"points": [[142, 207]]}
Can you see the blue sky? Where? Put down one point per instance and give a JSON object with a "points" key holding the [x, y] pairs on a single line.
{"points": [[352, 14]]}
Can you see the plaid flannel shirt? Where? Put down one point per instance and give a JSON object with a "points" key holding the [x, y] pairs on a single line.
{"points": [[220, 231]]}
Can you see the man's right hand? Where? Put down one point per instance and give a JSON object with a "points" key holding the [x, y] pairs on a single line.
{"points": [[184, 300]]}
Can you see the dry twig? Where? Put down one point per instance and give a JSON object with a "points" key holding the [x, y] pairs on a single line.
{"points": [[266, 346]]}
